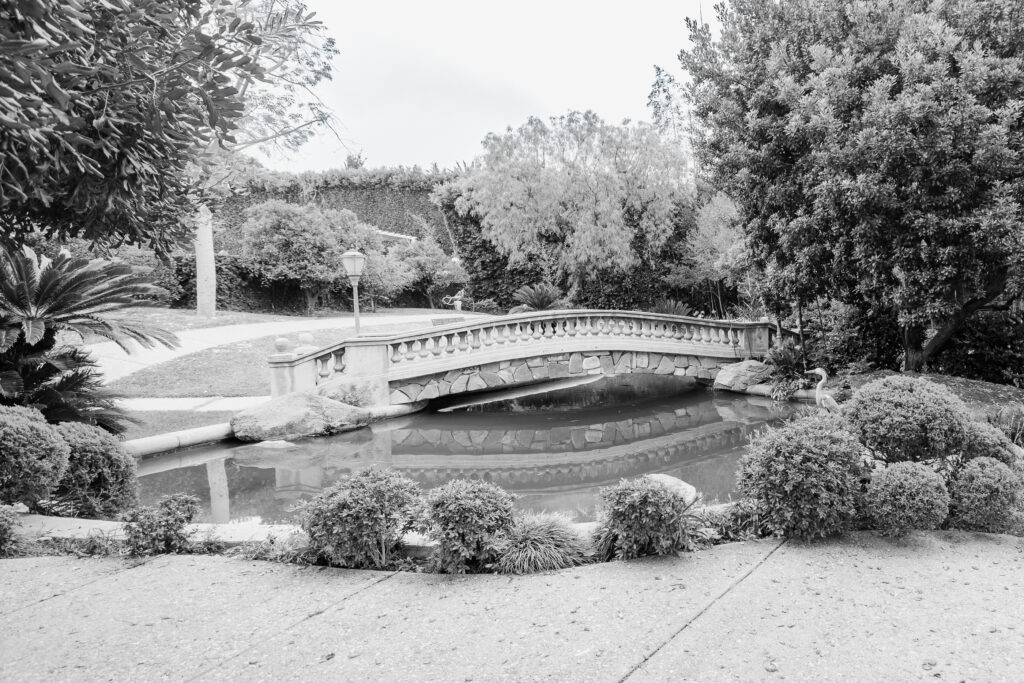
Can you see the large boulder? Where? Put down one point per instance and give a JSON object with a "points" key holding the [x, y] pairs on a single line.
{"points": [[685, 491], [297, 415], [740, 376]]}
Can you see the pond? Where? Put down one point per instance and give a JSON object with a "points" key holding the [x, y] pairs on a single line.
{"points": [[554, 450]]}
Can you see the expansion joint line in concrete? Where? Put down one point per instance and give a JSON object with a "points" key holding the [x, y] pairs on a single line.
{"points": [[202, 674], [699, 614], [138, 562]]}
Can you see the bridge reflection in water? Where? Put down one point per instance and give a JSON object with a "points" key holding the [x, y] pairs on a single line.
{"points": [[555, 451]]}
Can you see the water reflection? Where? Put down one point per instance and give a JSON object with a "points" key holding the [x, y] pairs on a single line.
{"points": [[554, 450]]}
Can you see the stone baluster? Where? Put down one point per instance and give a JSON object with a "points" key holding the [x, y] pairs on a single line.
{"points": [[325, 365]]}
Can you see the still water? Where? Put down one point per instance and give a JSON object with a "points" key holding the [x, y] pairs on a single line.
{"points": [[555, 450]]}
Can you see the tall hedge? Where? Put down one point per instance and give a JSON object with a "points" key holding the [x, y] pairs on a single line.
{"points": [[392, 199]]}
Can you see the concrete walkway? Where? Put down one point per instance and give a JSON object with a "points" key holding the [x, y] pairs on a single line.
{"points": [[114, 363], [201, 404], [947, 606]]}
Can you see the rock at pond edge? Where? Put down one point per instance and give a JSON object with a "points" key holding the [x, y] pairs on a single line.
{"points": [[297, 415]]}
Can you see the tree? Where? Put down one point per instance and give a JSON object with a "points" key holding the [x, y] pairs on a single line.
{"points": [[715, 252], [432, 271], [874, 150], [576, 196], [303, 244], [105, 105], [41, 298], [290, 242]]}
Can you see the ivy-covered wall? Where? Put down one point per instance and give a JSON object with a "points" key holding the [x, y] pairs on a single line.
{"points": [[392, 199]]}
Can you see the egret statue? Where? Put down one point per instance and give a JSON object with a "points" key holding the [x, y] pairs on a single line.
{"points": [[824, 401]]}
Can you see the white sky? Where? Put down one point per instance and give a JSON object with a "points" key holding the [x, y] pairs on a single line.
{"points": [[423, 82]]}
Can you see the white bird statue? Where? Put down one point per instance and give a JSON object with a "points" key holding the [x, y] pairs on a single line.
{"points": [[824, 401]]}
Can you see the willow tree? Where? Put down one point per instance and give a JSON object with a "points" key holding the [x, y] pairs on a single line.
{"points": [[875, 149], [576, 197]]}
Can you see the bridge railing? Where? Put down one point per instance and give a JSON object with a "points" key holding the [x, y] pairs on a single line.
{"points": [[425, 351]]}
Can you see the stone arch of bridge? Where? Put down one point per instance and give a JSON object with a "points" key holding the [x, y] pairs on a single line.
{"points": [[537, 370]]}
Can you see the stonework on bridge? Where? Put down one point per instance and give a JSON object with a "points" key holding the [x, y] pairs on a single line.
{"points": [[519, 372], [522, 349]]}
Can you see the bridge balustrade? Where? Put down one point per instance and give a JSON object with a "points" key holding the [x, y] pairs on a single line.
{"points": [[386, 358]]}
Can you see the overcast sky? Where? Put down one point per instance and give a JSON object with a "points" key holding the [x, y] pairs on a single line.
{"points": [[424, 82]]}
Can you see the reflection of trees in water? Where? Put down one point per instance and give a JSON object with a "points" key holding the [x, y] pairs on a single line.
{"points": [[700, 441], [609, 390], [191, 480]]}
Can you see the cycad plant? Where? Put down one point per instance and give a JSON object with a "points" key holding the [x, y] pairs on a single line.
{"points": [[672, 307], [41, 298], [540, 297]]}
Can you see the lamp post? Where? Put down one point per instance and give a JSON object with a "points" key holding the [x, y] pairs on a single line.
{"points": [[353, 262]]}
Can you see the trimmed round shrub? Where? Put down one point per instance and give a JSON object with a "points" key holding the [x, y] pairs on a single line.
{"points": [[100, 479], [643, 517], [161, 529], [8, 522], [468, 520], [983, 440], [906, 496], [541, 542], [903, 418], [360, 522], [804, 477], [33, 457], [984, 496]]}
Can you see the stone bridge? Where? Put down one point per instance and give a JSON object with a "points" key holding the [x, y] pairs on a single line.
{"points": [[514, 350]]}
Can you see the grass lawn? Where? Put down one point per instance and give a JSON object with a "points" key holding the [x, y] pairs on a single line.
{"points": [[159, 422], [238, 369]]}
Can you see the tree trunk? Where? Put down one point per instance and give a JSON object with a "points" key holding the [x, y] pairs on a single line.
{"points": [[311, 297], [913, 352], [206, 268], [800, 332]]}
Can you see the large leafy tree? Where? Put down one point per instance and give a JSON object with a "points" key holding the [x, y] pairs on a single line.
{"points": [[576, 196], [875, 150], [303, 244], [105, 106]]}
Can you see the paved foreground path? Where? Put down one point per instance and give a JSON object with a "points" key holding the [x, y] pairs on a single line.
{"points": [[941, 606], [114, 363]]}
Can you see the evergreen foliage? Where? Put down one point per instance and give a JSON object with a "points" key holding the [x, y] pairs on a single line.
{"points": [[875, 152], [33, 457], [804, 477]]}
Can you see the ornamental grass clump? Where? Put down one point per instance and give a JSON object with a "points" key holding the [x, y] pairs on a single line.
{"points": [[468, 520], [644, 517], [902, 418], [541, 542], [163, 529], [100, 479], [985, 496], [804, 477], [906, 496], [360, 522], [33, 456]]}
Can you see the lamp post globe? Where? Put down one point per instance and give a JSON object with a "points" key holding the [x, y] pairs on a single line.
{"points": [[353, 262]]}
